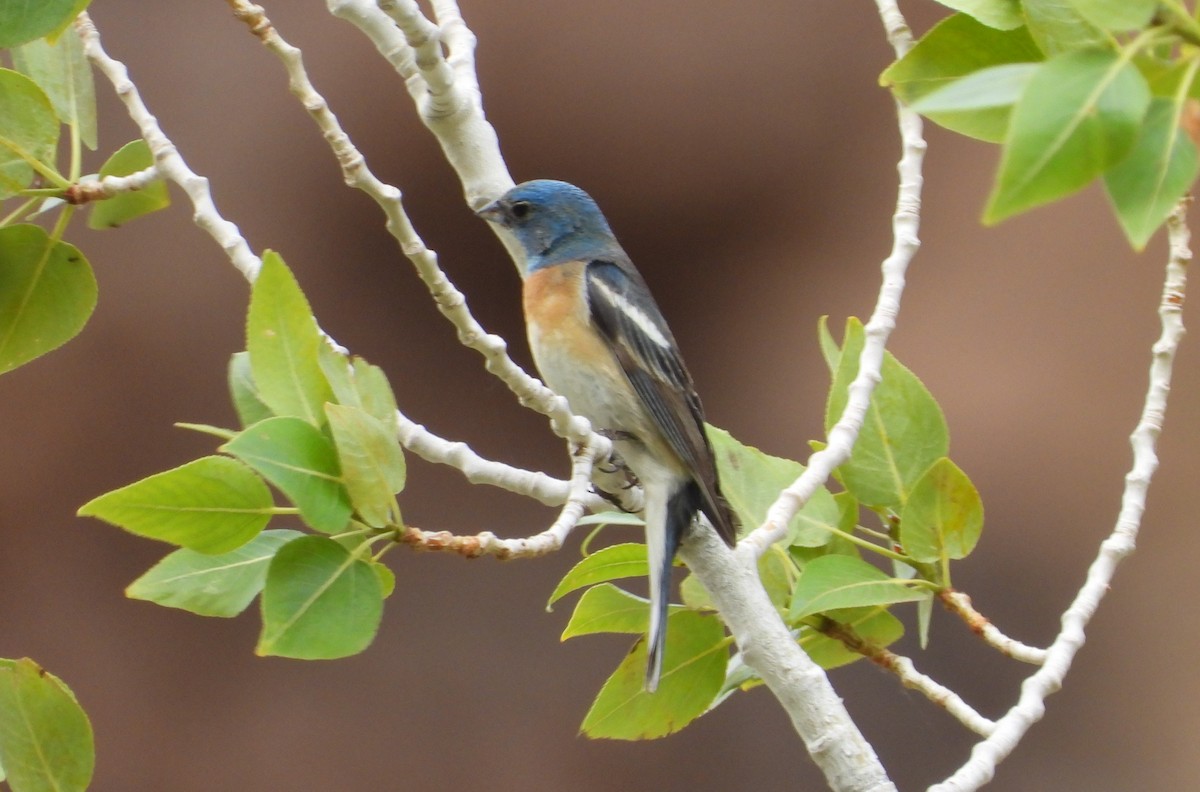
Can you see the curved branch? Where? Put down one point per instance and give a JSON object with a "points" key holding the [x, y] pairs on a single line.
{"points": [[979, 769], [579, 497], [167, 159]]}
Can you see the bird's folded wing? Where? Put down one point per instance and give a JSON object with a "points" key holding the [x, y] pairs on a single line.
{"points": [[629, 320]]}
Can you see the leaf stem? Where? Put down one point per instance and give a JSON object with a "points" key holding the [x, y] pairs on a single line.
{"points": [[20, 210], [1179, 21], [42, 168], [883, 551], [60, 225]]}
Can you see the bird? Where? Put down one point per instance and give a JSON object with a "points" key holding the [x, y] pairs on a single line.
{"points": [[599, 339]]}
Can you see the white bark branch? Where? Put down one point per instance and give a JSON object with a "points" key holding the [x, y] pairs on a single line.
{"points": [[768, 647], [166, 157], [457, 121], [942, 696], [478, 470], [980, 768], [910, 677], [578, 497], [905, 224]]}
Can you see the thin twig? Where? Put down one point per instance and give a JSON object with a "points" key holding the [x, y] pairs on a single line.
{"points": [[910, 677], [167, 160], [579, 496], [960, 605]]}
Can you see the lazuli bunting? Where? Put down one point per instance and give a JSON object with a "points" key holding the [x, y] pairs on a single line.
{"points": [[599, 340]]}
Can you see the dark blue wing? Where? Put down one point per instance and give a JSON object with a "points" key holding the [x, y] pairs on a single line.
{"points": [[629, 320]]}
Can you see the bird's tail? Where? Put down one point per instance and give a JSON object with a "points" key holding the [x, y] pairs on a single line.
{"points": [[666, 523]]}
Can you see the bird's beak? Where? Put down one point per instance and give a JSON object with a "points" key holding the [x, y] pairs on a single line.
{"points": [[493, 213]]}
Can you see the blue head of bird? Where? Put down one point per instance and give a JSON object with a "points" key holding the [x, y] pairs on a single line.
{"points": [[554, 221]]}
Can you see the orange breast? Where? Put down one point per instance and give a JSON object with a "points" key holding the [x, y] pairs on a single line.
{"points": [[569, 353], [554, 296]]}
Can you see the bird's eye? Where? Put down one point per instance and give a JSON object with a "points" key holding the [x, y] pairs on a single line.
{"points": [[521, 209]]}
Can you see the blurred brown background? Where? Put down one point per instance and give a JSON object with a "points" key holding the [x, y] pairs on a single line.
{"points": [[745, 155]]}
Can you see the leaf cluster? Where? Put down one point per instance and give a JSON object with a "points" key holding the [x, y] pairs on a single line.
{"points": [[320, 429], [1074, 91]]}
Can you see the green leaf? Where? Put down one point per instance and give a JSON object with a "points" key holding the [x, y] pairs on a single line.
{"points": [[693, 671], [375, 393], [833, 582], [46, 742], [1058, 27], [339, 372], [211, 585], [62, 71], [319, 602], [283, 340], [356, 383], [28, 130], [1145, 186], [999, 14], [848, 514], [608, 563], [26, 20], [208, 429], [371, 461], [387, 578], [829, 348], [1116, 15], [875, 625], [924, 616], [943, 516], [694, 595], [1079, 115], [981, 102], [604, 608], [903, 434], [293, 455], [211, 505], [955, 48], [752, 480], [47, 293], [246, 401], [123, 207], [777, 572]]}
